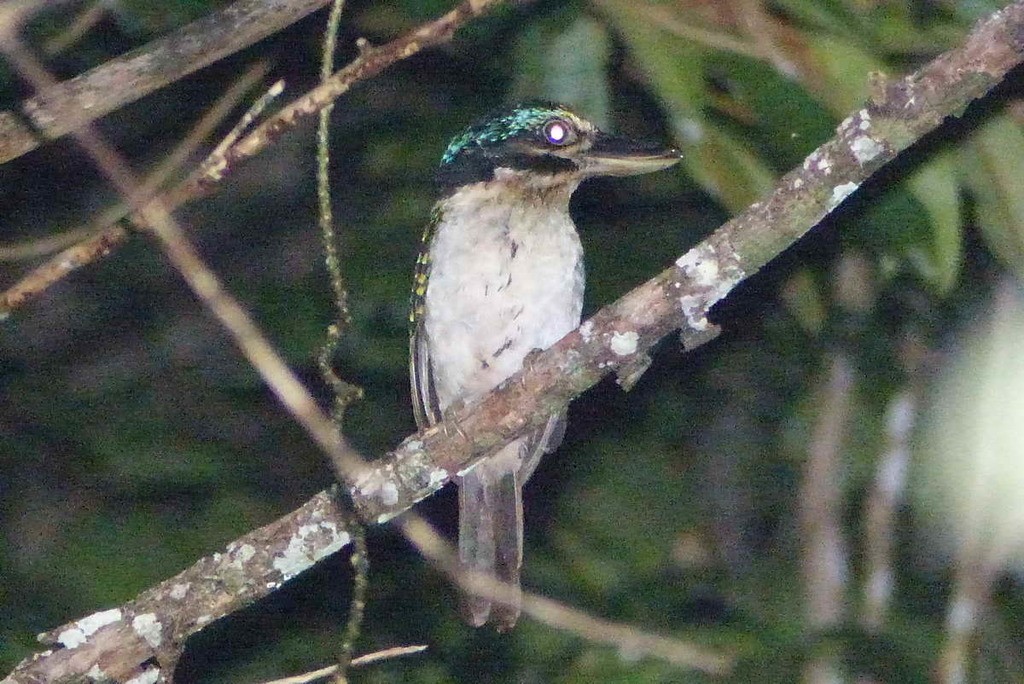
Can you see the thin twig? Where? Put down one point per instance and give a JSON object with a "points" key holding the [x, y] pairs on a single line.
{"points": [[83, 22], [169, 165], [361, 661], [204, 283], [209, 169], [357, 606], [630, 641], [345, 393], [61, 108], [824, 555], [370, 62], [881, 507]]}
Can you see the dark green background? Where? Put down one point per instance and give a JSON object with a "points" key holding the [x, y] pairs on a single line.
{"points": [[135, 439]]}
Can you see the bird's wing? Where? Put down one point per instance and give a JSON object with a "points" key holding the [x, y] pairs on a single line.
{"points": [[425, 405], [424, 398], [541, 442]]}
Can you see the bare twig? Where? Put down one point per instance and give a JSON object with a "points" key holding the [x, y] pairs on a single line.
{"points": [[207, 287], [345, 393], [370, 62], [824, 555], [361, 661], [631, 642], [62, 108], [881, 507], [901, 112], [83, 22], [169, 165], [972, 588]]}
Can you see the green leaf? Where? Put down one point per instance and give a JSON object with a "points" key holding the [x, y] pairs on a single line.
{"points": [[837, 72], [728, 168], [936, 186], [566, 64], [722, 163], [673, 67], [824, 15], [789, 120], [805, 300], [992, 169]]}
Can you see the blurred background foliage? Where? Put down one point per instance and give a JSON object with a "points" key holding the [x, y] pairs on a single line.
{"points": [[134, 438]]}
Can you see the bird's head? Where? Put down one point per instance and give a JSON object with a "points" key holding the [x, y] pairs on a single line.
{"points": [[540, 145]]}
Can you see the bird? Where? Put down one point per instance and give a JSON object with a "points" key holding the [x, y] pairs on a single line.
{"points": [[500, 274]]}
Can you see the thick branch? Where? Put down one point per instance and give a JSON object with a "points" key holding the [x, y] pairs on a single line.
{"points": [[67, 106], [615, 339]]}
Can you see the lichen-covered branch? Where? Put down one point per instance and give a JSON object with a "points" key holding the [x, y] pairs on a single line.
{"points": [[123, 643], [118, 641], [370, 62], [56, 111]]}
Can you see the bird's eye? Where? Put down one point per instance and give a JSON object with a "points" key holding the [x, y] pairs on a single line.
{"points": [[558, 132]]}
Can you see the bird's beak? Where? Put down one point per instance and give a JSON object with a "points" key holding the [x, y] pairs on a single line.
{"points": [[611, 155]]}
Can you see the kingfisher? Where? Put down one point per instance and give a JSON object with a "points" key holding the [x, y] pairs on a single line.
{"points": [[499, 275]]}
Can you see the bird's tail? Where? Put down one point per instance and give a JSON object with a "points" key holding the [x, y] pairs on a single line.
{"points": [[491, 533]]}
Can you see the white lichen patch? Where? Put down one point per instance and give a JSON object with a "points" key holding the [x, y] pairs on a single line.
{"points": [[149, 628], [839, 193], [148, 676], [818, 161], [243, 554], [587, 331], [86, 627], [294, 559], [865, 148], [97, 674], [798, 183], [437, 477], [339, 540], [700, 265], [860, 120], [377, 483], [179, 591], [708, 281], [309, 544], [694, 312], [624, 344], [414, 445]]}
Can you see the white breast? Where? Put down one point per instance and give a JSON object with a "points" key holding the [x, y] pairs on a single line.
{"points": [[506, 278]]}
